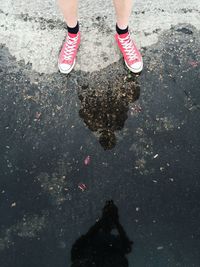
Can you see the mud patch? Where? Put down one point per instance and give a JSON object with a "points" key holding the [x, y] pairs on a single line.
{"points": [[43, 23]]}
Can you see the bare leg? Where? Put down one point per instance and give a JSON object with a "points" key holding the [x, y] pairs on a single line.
{"points": [[69, 8], [67, 56], [123, 11], [131, 54]]}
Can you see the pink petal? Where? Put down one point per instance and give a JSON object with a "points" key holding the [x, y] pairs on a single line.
{"points": [[82, 187], [193, 63], [37, 115], [87, 160]]}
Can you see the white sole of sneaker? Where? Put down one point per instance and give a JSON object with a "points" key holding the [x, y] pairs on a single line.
{"points": [[134, 70], [66, 71]]}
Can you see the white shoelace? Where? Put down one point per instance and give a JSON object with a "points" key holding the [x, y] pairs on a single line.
{"points": [[128, 46], [70, 47]]}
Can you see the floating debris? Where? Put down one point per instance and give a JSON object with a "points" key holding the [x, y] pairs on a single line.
{"points": [[82, 187], [58, 107], [105, 164], [87, 160], [38, 115], [137, 208], [155, 181], [136, 108], [27, 97], [14, 204], [171, 179], [54, 185], [155, 156], [160, 247]]}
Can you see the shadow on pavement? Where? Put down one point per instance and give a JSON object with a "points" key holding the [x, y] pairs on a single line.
{"points": [[100, 246]]}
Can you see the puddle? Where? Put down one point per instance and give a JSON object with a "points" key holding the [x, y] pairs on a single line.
{"points": [[68, 145]]}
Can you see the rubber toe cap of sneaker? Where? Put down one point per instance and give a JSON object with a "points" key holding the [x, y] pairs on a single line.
{"points": [[137, 66], [65, 67]]}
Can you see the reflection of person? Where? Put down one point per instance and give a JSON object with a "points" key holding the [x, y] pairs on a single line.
{"points": [[99, 247], [129, 50], [105, 112]]}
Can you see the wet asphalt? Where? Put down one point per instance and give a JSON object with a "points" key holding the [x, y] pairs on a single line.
{"points": [[69, 144]]}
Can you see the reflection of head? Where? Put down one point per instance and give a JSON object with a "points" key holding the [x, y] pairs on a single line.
{"points": [[110, 216], [107, 139], [104, 110], [99, 247]]}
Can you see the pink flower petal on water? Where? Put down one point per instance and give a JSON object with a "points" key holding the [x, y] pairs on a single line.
{"points": [[38, 114], [82, 187], [87, 160], [194, 64]]}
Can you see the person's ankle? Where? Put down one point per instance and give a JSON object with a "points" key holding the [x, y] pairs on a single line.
{"points": [[123, 30], [73, 30]]}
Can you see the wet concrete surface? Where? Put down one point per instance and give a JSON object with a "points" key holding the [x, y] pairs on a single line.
{"points": [[141, 134]]}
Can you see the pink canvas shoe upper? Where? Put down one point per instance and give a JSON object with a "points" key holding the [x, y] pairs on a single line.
{"points": [[68, 52], [130, 52]]}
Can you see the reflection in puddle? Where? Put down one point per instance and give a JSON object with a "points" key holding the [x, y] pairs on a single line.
{"points": [[105, 111], [101, 246]]}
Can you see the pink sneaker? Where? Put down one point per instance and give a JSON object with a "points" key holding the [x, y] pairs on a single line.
{"points": [[67, 57], [132, 56]]}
